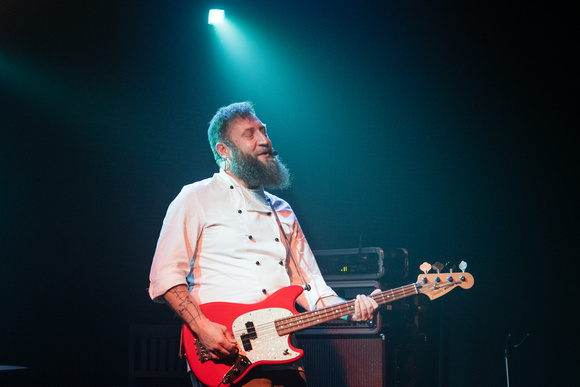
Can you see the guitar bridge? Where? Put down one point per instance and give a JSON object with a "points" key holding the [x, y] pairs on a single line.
{"points": [[202, 353], [241, 365]]}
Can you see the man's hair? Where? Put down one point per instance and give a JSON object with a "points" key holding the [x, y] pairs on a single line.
{"points": [[221, 121]]}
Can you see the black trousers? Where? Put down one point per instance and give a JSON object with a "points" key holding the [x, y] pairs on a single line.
{"points": [[258, 377]]}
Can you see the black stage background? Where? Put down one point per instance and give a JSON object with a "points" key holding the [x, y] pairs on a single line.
{"points": [[443, 127]]}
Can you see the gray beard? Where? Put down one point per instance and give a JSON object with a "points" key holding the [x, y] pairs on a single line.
{"points": [[272, 174]]}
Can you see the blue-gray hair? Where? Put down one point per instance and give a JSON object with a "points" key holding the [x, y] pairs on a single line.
{"points": [[221, 121]]}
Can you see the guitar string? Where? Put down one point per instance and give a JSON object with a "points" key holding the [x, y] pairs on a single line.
{"points": [[328, 313], [306, 320], [339, 309], [269, 330]]}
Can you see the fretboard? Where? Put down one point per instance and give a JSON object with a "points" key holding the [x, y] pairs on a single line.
{"points": [[309, 319]]}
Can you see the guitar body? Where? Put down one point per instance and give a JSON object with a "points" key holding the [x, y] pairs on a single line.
{"points": [[253, 326]]}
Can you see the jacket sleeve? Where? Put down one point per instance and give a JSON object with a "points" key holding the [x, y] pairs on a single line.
{"points": [[320, 293], [176, 246]]}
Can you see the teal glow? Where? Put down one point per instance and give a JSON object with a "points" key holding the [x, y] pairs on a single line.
{"points": [[35, 83], [52, 89]]}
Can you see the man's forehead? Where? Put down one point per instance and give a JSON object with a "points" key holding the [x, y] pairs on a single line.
{"points": [[240, 124]]}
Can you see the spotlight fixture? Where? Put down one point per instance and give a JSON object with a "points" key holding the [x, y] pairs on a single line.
{"points": [[216, 16]]}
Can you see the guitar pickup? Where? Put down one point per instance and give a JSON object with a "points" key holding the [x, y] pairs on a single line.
{"points": [[250, 335]]}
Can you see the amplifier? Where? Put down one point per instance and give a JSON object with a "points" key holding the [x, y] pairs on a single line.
{"points": [[352, 264], [343, 361], [348, 290], [368, 263]]}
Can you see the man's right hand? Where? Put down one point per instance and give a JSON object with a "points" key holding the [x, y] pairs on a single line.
{"points": [[216, 339]]}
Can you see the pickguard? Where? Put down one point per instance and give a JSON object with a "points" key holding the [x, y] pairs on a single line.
{"points": [[256, 331]]}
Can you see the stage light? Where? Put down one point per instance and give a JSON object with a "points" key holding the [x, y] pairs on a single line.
{"points": [[216, 16]]}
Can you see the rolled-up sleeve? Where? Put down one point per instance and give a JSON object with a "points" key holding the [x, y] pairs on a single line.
{"points": [[176, 246]]}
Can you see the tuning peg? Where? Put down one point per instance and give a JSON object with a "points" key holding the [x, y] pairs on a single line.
{"points": [[425, 267], [451, 266], [463, 266], [438, 266]]}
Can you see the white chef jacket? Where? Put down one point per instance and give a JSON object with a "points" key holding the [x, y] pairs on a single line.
{"points": [[223, 240]]}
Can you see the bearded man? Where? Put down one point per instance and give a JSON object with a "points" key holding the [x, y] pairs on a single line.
{"points": [[225, 239]]}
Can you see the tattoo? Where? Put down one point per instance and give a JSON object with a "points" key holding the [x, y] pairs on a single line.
{"points": [[187, 310]]}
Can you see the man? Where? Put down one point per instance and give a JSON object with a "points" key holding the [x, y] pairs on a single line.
{"points": [[222, 240]]}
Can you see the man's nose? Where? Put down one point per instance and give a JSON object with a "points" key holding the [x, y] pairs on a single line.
{"points": [[263, 139]]}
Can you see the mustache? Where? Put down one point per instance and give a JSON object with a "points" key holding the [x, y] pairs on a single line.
{"points": [[269, 151]]}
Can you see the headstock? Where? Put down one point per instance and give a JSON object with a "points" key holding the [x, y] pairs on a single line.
{"points": [[437, 284]]}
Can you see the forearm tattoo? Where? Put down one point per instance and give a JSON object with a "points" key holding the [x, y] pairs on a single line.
{"points": [[189, 311]]}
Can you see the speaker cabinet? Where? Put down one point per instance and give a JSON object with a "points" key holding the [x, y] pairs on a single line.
{"points": [[344, 361]]}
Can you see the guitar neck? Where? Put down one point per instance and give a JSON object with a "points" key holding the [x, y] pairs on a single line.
{"points": [[309, 319]]}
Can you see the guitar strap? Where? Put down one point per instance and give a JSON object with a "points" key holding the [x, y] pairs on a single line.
{"points": [[181, 349], [288, 247]]}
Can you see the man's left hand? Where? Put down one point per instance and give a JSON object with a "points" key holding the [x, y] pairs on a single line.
{"points": [[364, 307]]}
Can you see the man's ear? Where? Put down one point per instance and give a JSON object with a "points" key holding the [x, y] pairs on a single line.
{"points": [[223, 150]]}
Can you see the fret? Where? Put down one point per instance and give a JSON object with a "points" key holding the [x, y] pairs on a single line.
{"points": [[308, 319]]}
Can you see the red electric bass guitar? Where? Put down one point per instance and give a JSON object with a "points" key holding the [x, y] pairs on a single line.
{"points": [[262, 330]]}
